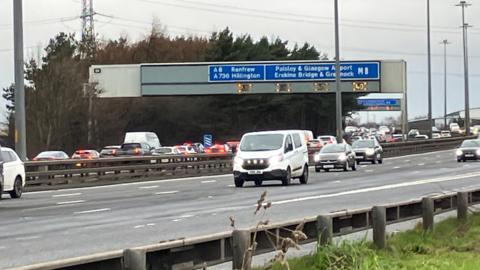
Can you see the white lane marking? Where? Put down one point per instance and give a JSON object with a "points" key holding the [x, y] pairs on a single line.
{"points": [[209, 181], [177, 220], [70, 202], [187, 216], [66, 195], [336, 182], [421, 164], [151, 224], [214, 214], [210, 197], [368, 171], [138, 226], [92, 211], [408, 160], [231, 186], [379, 188], [438, 162], [148, 187], [466, 165], [415, 172], [26, 238], [166, 192], [363, 166], [140, 183], [396, 167]]}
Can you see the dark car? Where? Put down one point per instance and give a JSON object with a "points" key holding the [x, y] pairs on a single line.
{"points": [[51, 155], [134, 149], [109, 151], [335, 156], [368, 151], [469, 150]]}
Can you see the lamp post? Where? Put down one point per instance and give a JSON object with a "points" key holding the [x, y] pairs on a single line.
{"points": [[20, 136], [463, 5], [445, 43], [429, 73], [339, 118]]}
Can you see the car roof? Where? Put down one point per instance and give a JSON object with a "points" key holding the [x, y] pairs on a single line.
{"points": [[7, 148], [283, 132]]}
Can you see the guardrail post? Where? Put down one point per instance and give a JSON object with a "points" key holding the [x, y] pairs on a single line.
{"points": [[462, 205], [134, 259], [379, 216], [427, 213], [324, 229], [240, 245]]}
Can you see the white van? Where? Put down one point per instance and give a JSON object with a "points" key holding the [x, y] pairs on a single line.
{"points": [[271, 155], [149, 138], [13, 173]]}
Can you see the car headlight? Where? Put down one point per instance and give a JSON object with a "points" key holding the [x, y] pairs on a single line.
{"points": [[370, 152], [342, 157], [459, 152], [478, 152], [316, 157], [238, 161]]}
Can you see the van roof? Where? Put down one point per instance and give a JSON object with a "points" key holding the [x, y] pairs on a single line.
{"points": [[284, 132]]}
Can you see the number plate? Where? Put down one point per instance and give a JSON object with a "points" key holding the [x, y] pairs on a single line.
{"points": [[469, 155], [328, 166], [254, 172]]}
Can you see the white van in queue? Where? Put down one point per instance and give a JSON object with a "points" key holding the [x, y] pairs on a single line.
{"points": [[149, 138], [13, 173], [271, 155]]}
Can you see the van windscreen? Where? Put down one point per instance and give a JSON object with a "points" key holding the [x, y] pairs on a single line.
{"points": [[261, 142]]}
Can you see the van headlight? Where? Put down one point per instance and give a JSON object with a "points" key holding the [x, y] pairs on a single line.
{"points": [[238, 161], [316, 157], [342, 157], [275, 159], [478, 152], [459, 152], [370, 152]]}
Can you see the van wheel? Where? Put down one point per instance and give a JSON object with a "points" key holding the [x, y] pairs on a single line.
{"points": [[258, 183], [304, 177], [288, 178], [239, 182], [17, 189], [1, 190]]}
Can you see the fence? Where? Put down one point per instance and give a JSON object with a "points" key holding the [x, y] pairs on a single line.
{"points": [[193, 253]]}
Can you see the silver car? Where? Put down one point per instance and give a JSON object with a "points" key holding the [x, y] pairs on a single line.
{"points": [[335, 156]]}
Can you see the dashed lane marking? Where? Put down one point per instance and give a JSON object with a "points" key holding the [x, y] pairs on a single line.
{"points": [[148, 187], [92, 211], [166, 192], [70, 202], [66, 195], [208, 181]]}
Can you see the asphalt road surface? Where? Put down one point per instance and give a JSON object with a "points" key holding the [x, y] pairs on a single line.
{"points": [[52, 225]]}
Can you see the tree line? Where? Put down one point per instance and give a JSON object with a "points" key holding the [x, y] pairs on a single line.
{"points": [[57, 106]]}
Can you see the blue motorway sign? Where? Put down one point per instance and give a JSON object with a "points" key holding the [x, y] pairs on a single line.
{"points": [[207, 140], [293, 72], [377, 102]]}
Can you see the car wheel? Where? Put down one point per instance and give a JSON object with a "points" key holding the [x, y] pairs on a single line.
{"points": [[1, 190], [459, 160], [326, 170], [17, 189], [380, 161], [288, 178], [239, 182], [347, 166], [358, 162], [258, 183], [304, 177], [317, 169], [374, 161]]}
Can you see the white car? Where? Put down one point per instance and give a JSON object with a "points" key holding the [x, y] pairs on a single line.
{"points": [[13, 174], [454, 127], [446, 134], [272, 155], [328, 139]]}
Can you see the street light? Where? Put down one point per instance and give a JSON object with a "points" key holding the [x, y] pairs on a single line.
{"points": [[20, 136], [445, 43], [465, 26], [339, 119], [429, 73]]}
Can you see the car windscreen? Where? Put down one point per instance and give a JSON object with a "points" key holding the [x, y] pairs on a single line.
{"points": [[131, 146], [163, 150], [471, 143], [333, 148], [262, 142], [363, 144]]}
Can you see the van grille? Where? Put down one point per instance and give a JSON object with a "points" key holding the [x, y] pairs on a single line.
{"points": [[255, 164]]}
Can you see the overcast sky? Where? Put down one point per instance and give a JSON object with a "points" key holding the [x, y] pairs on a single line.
{"points": [[370, 29]]}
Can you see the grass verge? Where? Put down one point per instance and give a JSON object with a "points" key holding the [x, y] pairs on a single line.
{"points": [[452, 245]]}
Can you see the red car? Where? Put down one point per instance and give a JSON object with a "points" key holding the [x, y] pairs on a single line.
{"points": [[217, 149], [85, 154]]}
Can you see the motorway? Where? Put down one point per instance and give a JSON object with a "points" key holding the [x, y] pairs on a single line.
{"points": [[51, 225]]}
